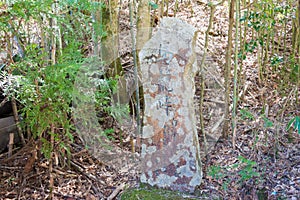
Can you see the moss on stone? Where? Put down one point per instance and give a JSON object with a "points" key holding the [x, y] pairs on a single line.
{"points": [[150, 193]]}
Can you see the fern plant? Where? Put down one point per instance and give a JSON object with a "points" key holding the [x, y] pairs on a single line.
{"points": [[45, 91]]}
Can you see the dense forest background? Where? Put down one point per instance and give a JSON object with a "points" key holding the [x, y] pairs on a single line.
{"points": [[250, 49]]}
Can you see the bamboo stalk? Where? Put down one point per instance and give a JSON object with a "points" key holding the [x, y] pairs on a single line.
{"points": [[136, 71], [228, 70], [235, 86], [17, 120], [11, 144], [51, 179]]}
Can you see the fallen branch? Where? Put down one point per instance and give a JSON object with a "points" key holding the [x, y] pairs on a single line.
{"points": [[116, 192]]}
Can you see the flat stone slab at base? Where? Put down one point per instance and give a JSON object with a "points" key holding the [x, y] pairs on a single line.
{"points": [[170, 149]]}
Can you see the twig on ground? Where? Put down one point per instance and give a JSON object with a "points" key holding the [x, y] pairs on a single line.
{"points": [[116, 192]]}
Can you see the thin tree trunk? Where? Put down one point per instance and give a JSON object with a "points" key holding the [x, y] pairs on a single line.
{"points": [[53, 24], [227, 70], [143, 24], [296, 48], [143, 35], [16, 116], [51, 176], [235, 78], [109, 17], [134, 53]]}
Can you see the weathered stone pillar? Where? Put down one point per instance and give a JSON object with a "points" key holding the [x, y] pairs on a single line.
{"points": [[170, 148]]}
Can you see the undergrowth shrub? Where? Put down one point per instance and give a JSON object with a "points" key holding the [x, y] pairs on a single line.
{"points": [[44, 90]]}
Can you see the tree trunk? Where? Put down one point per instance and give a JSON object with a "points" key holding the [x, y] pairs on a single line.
{"points": [[110, 44], [227, 70]]}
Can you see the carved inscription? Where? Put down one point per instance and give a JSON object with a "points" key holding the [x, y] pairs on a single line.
{"points": [[170, 149]]}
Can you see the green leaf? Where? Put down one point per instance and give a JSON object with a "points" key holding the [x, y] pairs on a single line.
{"points": [[243, 18], [290, 123], [153, 5], [296, 122], [216, 172], [268, 123], [275, 60], [246, 114]]}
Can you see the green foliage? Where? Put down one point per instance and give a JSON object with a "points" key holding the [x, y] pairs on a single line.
{"points": [[296, 122], [267, 123], [153, 5], [103, 96], [221, 174], [246, 114], [292, 74], [247, 170], [276, 60], [83, 5], [245, 167], [119, 112], [74, 21], [255, 20], [108, 133], [46, 94], [216, 172], [27, 9], [106, 87], [46, 90], [46, 148], [270, 31]]}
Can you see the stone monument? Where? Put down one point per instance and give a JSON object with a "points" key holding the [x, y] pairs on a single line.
{"points": [[170, 147]]}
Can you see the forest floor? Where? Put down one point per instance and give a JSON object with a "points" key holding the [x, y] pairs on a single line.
{"points": [[263, 164]]}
